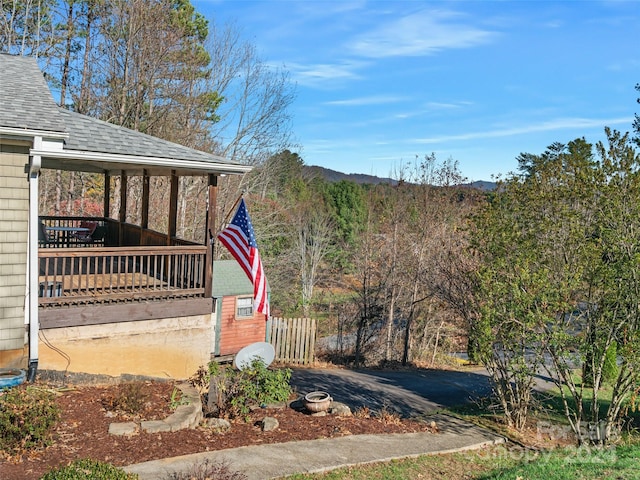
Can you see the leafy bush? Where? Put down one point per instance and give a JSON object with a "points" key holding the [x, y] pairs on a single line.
{"points": [[208, 471], [609, 365], [87, 469], [26, 416], [237, 390]]}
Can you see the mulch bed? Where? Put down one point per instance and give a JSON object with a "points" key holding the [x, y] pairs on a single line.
{"points": [[87, 412]]}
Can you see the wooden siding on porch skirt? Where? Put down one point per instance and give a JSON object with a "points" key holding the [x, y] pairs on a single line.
{"points": [[236, 333]]}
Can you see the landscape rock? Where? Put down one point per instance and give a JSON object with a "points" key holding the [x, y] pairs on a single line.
{"points": [[297, 405], [155, 426], [269, 423], [218, 424], [216, 396], [187, 415], [123, 428], [340, 409]]}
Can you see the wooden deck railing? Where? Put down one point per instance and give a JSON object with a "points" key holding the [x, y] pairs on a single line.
{"points": [[118, 274], [68, 239], [116, 233]]}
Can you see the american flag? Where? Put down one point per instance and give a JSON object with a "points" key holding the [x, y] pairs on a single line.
{"points": [[240, 240]]}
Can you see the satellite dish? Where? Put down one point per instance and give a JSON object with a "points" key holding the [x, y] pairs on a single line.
{"points": [[256, 351]]}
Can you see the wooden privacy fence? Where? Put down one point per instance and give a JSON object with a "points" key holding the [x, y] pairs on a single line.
{"points": [[293, 339]]}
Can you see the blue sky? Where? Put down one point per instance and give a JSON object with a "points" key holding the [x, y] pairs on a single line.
{"points": [[381, 82]]}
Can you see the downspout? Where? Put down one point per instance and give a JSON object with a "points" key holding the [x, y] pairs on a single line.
{"points": [[33, 274]]}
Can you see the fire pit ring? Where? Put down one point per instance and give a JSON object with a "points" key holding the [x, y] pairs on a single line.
{"points": [[317, 401]]}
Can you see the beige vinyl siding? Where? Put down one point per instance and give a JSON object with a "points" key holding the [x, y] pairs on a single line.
{"points": [[14, 217]]}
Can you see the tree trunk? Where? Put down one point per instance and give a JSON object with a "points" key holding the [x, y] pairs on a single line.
{"points": [[390, 321], [435, 345], [58, 199], [83, 101]]}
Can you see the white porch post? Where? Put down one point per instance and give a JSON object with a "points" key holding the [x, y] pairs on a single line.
{"points": [[32, 262]]}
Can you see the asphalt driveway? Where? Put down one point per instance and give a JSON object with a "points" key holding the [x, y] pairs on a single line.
{"points": [[409, 393]]}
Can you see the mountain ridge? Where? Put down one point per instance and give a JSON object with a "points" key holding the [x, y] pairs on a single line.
{"points": [[333, 176], [336, 176]]}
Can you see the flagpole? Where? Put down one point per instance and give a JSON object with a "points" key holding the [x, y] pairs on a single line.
{"points": [[231, 210]]}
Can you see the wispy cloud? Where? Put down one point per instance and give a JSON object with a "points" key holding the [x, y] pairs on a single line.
{"points": [[558, 124], [363, 101], [446, 106], [419, 34], [324, 74], [317, 10], [553, 24]]}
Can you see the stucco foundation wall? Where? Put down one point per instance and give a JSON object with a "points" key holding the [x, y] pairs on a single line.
{"points": [[166, 348], [14, 222]]}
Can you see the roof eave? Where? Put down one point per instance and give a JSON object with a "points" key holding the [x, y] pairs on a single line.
{"points": [[119, 162]]}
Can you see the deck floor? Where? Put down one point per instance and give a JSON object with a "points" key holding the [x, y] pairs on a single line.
{"points": [[88, 284]]}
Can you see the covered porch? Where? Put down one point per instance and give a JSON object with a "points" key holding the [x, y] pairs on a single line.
{"points": [[88, 285], [131, 299], [130, 271], [127, 271]]}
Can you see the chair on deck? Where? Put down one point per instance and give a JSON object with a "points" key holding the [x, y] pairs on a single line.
{"points": [[99, 234], [85, 236], [43, 236]]}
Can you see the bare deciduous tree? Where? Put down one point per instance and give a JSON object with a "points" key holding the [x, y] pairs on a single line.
{"points": [[254, 120], [311, 244]]}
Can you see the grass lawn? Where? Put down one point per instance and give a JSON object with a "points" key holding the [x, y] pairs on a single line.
{"points": [[614, 463], [555, 457], [455, 466], [499, 463]]}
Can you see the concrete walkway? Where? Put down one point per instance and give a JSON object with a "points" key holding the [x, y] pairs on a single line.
{"points": [[278, 460]]}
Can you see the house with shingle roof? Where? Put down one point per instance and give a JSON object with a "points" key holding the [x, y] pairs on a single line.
{"points": [[136, 301], [236, 321]]}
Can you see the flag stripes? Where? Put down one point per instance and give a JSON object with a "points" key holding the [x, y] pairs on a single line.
{"points": [[240, 240]]}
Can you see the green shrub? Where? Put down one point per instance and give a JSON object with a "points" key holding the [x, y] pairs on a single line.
{"points": [[27, 415], [609, 365], [238, 390], [87, 469]]}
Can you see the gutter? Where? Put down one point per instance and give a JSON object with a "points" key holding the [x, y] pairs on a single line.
{"points": [[143, 161], [32, 261]]}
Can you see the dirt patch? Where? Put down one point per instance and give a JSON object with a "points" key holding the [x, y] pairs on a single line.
{"points": [[87, 412]]}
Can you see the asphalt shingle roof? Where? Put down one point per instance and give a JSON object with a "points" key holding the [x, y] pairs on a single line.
{"points": [[230, 279], [26, 102], [25, 99], [93, 135]]}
